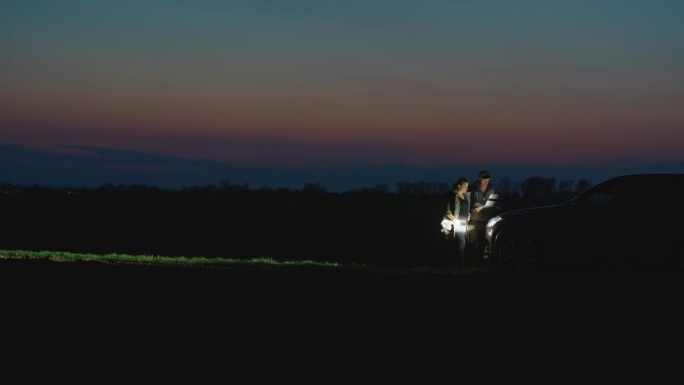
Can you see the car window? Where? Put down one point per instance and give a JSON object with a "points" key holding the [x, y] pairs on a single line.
{"points": [[660, 194], [601, 196], [652, 194], [628, 195]]}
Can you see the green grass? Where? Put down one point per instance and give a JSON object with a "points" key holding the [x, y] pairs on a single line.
{"points": [[59, 256], [203, 262]]}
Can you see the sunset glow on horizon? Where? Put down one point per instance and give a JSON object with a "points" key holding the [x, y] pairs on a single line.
{"points": [[309, 82]]}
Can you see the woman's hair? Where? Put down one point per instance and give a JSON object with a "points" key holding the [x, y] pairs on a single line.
{"points": [[459, 182]]}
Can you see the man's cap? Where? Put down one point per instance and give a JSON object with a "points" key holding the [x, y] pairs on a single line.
{"points": [[484, 174]]}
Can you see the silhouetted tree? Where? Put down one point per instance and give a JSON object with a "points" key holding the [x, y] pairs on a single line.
{"points": [[582, 185], [314, 188], [565, 190], [377, 189], [504, 186], [421, 187], [537, 188]]}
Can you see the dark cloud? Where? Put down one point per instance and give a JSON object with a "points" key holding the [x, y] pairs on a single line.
{"points": [[82, 166]]}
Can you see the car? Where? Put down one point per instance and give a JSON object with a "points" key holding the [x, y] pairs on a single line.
{"points": [[628, 220]]}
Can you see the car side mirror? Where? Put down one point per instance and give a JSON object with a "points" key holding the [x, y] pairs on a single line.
{"points": [[577, 202]]}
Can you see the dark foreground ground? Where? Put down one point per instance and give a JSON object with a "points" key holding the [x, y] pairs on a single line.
{"points": [[586, 326], [333, 320]]}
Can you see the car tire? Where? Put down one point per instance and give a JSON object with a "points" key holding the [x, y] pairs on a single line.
{"points": [[518, 252]]}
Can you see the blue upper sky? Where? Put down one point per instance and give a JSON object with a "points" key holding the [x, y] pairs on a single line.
{"points": [[114, 91]]}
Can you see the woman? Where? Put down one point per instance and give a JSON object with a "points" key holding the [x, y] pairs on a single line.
{"points": [[458, 212]]}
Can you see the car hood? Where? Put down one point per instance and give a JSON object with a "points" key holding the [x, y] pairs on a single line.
{"points": [[530, 212]]}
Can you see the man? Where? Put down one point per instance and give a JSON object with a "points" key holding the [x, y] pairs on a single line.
{"points": [[481, 210]]}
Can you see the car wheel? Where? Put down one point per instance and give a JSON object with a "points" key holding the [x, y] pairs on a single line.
{"points": [[518, 252]]}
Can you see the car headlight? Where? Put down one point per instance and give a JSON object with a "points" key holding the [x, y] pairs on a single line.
{"points": [[493, 221], [490, 226]]}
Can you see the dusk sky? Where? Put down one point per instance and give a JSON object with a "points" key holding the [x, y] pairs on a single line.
{"points": [[99, 89]]}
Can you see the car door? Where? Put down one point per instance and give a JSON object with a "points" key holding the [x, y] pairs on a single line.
{"points": [[609, 224]]}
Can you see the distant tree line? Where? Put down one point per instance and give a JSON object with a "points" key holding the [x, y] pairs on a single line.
{"points": [[533, 189]]}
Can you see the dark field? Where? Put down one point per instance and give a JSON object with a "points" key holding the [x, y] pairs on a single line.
{"points": [[326, 318], [555, 325], [363, 229]]}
